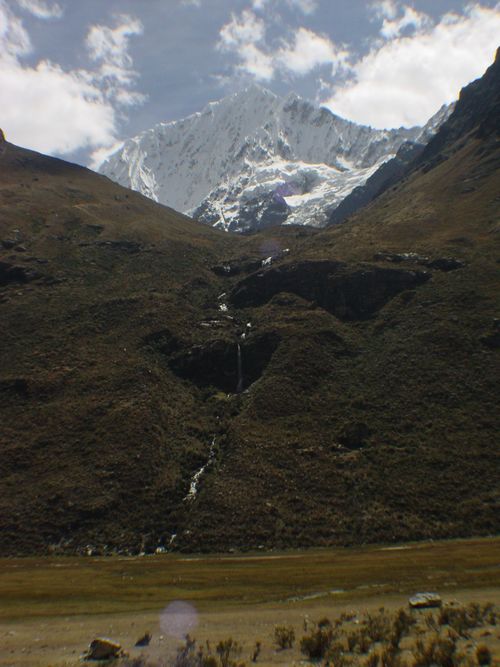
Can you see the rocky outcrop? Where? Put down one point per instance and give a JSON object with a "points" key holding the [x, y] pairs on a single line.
{"points": [[253, 214], [348, 293], [386, 176], [103, 649], [477, 110], [425, 601], [233, 267], [216, 363], [439, 263], [11, 273]]}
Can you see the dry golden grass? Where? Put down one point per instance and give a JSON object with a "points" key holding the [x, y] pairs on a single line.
{"points": [[52, 608]]}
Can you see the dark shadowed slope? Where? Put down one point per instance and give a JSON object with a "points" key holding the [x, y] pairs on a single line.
{"points": [[96, 439]]}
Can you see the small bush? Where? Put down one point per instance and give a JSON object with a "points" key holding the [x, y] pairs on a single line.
{"points": [[372, 660], [401, 627], [190, 655], [228, 650], [352, 641], [464, 619], [335, 655], [483, 655], [390, 657], [284, 636], [432, 622], [437, 650], [316, 644], [359, 641], [256, 651], [378, 628]]}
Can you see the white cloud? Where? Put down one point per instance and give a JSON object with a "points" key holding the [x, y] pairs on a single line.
{"points": [[385, 9], [108, 47], [405, 78], [42, 9], [241, 35], [408, 20], [14, 40], [309, 50], [245, 37], [53, 110], [305, 6]]}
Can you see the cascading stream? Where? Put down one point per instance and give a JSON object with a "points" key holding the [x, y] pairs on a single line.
{"points": [[239, 386], [193, 487]]}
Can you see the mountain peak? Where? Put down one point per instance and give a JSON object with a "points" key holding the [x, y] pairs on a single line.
{"points": [[254, 158]]}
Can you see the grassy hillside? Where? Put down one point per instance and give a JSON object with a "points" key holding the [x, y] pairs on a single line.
{"points": [[369, 409]]}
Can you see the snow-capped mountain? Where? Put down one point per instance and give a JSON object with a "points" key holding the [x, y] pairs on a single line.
{"points": [[254, 159]]}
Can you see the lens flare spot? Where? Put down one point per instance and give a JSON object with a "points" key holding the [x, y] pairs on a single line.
{"points": [[178, 619]]}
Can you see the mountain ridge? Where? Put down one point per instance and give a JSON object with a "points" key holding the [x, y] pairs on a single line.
{"points": [[254, 159]]}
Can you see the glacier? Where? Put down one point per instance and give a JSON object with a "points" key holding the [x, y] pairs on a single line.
{"points": [[254, 159]]}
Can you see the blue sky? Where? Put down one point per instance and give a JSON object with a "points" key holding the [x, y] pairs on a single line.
{"points": [[77, 77]]}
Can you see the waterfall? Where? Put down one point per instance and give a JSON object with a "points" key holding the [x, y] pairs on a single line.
{"points": [[193, 487], [239, 386]]}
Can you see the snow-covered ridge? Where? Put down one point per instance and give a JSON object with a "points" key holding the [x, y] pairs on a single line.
{"points": [[253, 159]]}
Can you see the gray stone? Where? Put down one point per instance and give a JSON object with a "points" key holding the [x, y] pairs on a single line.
{"points": [[103, 649], [425, 601]]}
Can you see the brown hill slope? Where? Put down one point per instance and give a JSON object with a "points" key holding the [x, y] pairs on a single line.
{"points": [[95, 440], [369, 409]]}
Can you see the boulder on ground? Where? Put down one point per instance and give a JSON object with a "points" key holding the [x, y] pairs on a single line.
{"points": [[103, 649], [425, 601]]}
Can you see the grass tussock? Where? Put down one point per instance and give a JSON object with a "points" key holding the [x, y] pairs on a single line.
{"points": [[284, 636], [443, 638], [401, 638]]}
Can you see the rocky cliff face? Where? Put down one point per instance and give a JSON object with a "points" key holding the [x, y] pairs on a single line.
{"points": [[255, 160], [477, 109]]}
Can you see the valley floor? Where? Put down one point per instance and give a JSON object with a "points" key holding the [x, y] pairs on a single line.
{"points": [[53, 607]]}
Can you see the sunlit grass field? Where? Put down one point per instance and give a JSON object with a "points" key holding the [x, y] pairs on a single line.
{"points": [[51, 608], [34, 587]]}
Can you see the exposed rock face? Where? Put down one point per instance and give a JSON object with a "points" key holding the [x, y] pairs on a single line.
{"points": [[233, 267], [103, 649], [216, 363], [10, 273], [254, 214], [478, 110], [439, 263], [425, 601], [349, 294], [387, 175]]}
